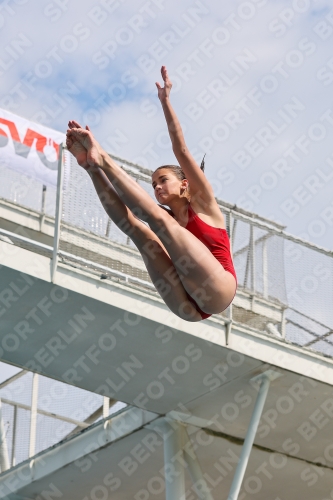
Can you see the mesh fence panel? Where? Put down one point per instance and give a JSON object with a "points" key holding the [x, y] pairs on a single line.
{"points": [[309, 280], [80, 207], [290, 273], [7, 419], [51, 431], [303, 330], [21, 452], [241, 249], [82, 215], [57, 403], [19, 390], [26, 191], [259, 260]]}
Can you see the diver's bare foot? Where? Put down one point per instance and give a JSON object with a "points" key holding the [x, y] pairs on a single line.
{"points": [[82, 144], [77, 150]]}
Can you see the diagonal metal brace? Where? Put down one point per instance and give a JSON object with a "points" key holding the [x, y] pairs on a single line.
{"points": [[265, 379], [194, 469]]}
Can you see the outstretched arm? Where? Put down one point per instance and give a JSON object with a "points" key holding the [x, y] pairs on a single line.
{"points": [[197, 179]]}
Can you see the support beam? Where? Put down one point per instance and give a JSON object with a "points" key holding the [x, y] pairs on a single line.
{"points": [[253, 259], [174, 472], [252, 429], [50, 462], [33, 415], [178, 454], [108, 228], [4, 460], [13, 457], [284, 324], [13, 378], [106, 407], [265, 275], [42, 215], [58, 212], [81, 425], [228, 326], [199, 482], [175, 483]]}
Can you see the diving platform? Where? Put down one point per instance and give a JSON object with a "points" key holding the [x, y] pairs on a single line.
{"points": [[77, 306]]}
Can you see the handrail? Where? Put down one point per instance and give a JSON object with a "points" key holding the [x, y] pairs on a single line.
{"points": [[23, 406], [308, 317], [240, 214], [119, 274], [37, 244], [26, 240], [127, 277]]}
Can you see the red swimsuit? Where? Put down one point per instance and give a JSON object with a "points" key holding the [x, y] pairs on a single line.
{"points": [[217, 242]]}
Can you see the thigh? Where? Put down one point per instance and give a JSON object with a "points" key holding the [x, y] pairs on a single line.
{"points": [[202, 276], [163, 273]]}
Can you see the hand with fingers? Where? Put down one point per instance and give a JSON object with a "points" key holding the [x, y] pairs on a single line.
{"points": [[163, 92], [83, 146]]}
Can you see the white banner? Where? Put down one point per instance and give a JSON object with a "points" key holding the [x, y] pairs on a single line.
{"points": [[29, 148]]}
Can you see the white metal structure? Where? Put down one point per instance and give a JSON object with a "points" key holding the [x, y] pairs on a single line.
{"points": [[265, 379], [4, 460], [116, 338]]}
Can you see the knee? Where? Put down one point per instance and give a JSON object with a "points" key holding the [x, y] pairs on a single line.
{"points": [[191, 318], [194, 318], [188, 312], [201, 297]]}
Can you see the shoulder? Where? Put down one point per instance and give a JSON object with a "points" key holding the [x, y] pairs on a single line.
{"points": [[208, 211], [202, 203]]}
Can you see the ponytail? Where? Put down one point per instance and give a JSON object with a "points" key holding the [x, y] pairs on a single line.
{"points": [[202, 165]]}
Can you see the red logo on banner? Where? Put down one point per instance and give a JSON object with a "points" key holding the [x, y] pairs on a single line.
{"points": [[46, 148]]}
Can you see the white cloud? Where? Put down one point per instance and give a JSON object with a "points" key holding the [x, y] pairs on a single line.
{"points": [[72, 41]]}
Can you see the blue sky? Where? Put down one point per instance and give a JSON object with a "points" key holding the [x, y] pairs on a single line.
{"points": [[253, 85]]}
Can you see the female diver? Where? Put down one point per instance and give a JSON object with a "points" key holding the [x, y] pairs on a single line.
{"points": [[185, 248]]}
